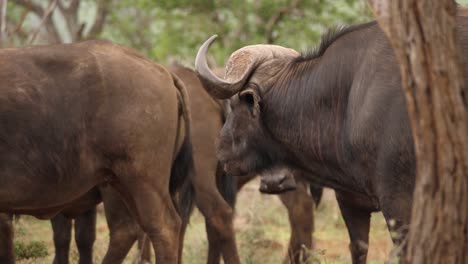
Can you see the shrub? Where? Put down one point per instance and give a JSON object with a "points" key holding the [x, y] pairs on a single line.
{"points": [[31, 250]]}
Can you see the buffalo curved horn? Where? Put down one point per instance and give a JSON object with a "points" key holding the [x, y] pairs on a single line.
{"points": [[238, 68], [215, 86]]}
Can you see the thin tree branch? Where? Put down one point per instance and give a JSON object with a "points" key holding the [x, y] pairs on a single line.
{"points": [[20, 23], [79, 33], [276, 18], [37, 9], [47, 13], [100, 20], [61, 6], [74, 5], [31, 6], [70, 15], [17, 31]]}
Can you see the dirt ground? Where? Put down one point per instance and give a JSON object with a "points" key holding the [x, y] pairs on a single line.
{"points": [[262, 231]]}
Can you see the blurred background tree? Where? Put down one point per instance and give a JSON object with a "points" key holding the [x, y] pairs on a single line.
{"points": [[175, 29], [168, 30]]}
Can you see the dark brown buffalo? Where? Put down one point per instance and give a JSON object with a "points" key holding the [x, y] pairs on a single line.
{"points": [[79, 115], [84, 236], [83, 212], [123, 229], [338, 113]]}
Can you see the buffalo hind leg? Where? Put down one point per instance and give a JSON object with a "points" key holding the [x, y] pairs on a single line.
{"points": [[161, 222], [357, 220], [214, 247], [85, 235], [146, 193], [219, 227], [214, 192], [123, 228], [144, 248], [300, 208], [61, 226], [7, 255]]}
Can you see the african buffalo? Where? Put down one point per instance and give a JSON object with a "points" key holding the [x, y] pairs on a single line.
{"points": [[212, 183], [337, 112], [79, 115]]}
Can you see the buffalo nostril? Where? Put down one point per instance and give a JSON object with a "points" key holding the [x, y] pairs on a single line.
{"points": [[263, 186], [281, 186], [282, 179]]}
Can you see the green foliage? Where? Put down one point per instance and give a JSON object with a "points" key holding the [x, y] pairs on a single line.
{"points": [[168, 30], [174, 29], [31, 250]]}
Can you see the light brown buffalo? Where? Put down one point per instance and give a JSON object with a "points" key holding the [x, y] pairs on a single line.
{"points": [[215, 197], [76, 116]]}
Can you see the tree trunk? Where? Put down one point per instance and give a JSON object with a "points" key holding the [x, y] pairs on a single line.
{"points": [[3, 8], [423, 35]]}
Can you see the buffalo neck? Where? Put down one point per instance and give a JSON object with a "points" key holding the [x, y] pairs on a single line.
{"points": [[306, 111]]}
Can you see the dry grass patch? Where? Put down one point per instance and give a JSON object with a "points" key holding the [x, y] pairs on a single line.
{"points": [[262, 231]]}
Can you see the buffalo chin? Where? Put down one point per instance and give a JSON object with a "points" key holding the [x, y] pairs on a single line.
{"points": [[277, 180]]}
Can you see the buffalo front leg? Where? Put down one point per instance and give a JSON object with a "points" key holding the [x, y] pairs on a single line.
{"points": [[7, 255], [85, 235], [61, 226], [357, 220], [396, 211], [300, 208]]}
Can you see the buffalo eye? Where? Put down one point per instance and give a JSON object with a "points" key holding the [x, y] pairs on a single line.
{"points": [[252, 99], [248, 99]]}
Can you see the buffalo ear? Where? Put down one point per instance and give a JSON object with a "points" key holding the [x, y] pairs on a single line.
{"points": [[252, 99]]}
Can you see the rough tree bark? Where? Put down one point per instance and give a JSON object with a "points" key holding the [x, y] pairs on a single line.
{"points": [[423, 35]]}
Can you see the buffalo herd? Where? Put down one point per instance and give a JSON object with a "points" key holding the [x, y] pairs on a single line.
{"points": [[95, 122]]}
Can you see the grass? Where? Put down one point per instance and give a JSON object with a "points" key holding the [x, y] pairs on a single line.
{"points": [[262, 233]]}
